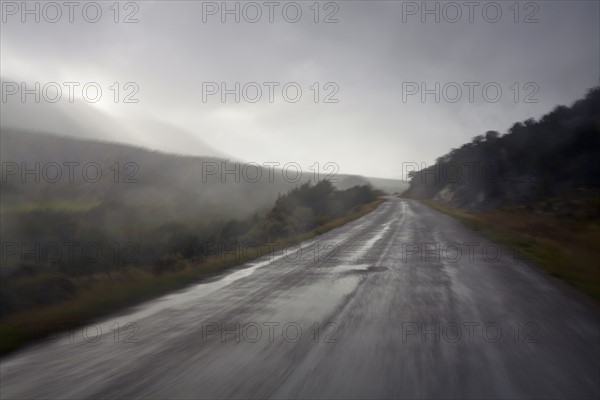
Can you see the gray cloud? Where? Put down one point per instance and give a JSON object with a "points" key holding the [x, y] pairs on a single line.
{"points": [[368, 54]]}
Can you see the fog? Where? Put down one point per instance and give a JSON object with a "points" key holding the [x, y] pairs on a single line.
{"points": [[372, 57]]}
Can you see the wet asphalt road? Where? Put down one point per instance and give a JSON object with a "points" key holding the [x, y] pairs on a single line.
{"points": [[369, 310]]}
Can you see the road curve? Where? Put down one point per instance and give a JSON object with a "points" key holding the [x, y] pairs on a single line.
{"points": [[372, 309]]}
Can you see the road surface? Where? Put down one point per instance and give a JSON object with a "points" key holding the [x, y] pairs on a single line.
{"points": [[372, 309]]}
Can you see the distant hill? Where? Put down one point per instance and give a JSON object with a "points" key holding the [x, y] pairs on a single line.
{"points": [[170, 185], [534, 160], [84, 121]]}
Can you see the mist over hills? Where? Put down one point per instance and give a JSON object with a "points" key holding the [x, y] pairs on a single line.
{"points": [[170, 159], [171, 186]]}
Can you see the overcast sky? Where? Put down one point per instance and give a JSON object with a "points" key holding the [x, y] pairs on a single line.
{"points": [[371, 54]]}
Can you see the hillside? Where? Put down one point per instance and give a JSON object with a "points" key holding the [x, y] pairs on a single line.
{"points": [[556, 155], [163, 185], [167, 185]]}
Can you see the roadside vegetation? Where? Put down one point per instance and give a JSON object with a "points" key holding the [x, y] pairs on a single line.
{"points": [[560, 235]]}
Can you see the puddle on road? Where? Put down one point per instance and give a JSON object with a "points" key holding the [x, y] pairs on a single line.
{"points": [[322, 297], [357, 269], [368, 270], [350, 267], [315, 301]]}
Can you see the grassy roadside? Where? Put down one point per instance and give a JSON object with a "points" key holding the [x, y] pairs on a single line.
{"points": [[566, 245], [99, 298]]}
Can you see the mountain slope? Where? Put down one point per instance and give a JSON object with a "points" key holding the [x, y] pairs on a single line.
{"points": [[554, 156]]}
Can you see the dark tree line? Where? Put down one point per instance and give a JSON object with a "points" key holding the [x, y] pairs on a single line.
{"points": [[534, 160]]}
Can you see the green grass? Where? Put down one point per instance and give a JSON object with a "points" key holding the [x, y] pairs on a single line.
{"points": [[101, 297], [566, 246]]}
